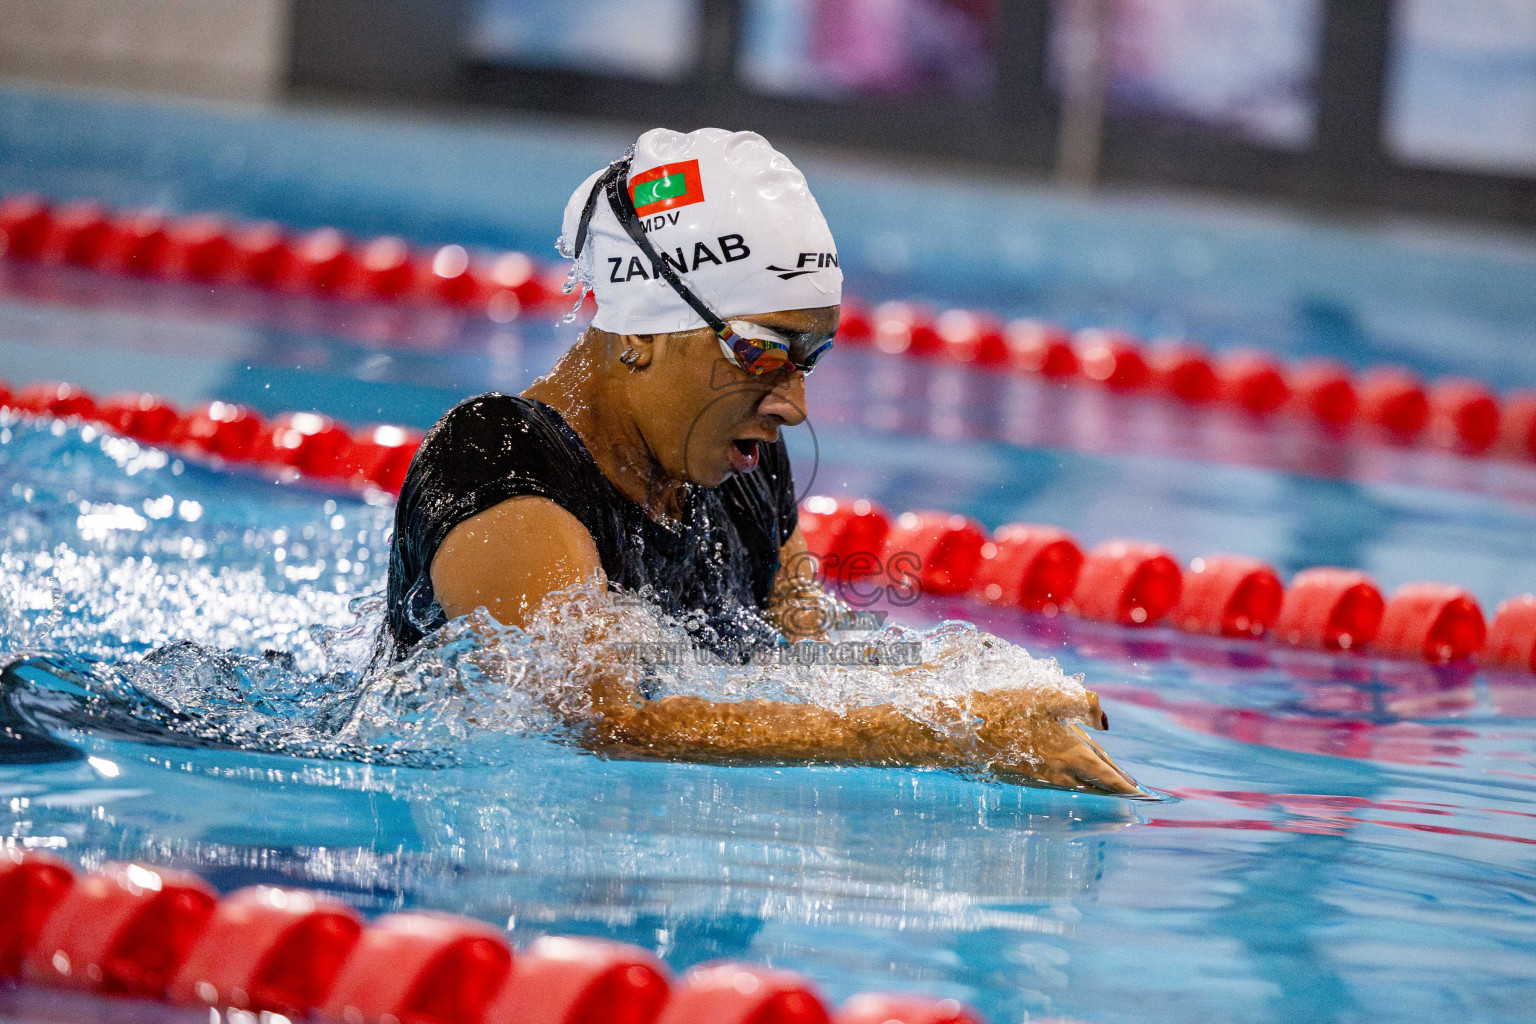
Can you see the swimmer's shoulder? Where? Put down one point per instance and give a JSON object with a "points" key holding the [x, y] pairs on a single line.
{"points": [[491, 408], [493, 422], [495, 442]]}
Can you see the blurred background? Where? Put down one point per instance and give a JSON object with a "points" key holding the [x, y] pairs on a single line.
{"points": [[1410, 105], [1353, 179]]}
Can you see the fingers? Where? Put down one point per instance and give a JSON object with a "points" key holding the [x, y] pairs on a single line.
{"points": [[1096, 716], [1095, 770], [1063, 703], [1037, 747], [1071, 761]]}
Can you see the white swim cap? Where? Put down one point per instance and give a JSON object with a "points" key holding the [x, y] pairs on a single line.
{"points": [[727, 211]]}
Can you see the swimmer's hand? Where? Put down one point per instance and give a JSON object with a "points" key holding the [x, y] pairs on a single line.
{"points": [[1029, 738]]}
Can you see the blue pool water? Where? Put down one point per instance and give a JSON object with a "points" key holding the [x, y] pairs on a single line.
{"points": [[1339, 839]]}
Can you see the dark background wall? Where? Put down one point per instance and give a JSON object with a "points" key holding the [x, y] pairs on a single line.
{"points": [[411, 51]]}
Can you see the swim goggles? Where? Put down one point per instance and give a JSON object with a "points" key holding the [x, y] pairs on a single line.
{"points": [[754, 348], [761, 350]]}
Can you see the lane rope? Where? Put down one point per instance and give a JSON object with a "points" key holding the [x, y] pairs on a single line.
{"points": [[1032, 567], [133, 930], [1379, 404]]}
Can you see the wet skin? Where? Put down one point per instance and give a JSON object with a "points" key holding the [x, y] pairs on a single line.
{"points": [[681, 413], [671, 417]]}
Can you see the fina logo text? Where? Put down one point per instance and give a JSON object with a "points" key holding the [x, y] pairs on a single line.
{"points": [[821, 259]]}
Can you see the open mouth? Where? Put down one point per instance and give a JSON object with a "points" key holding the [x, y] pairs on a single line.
{"points": [[744, 455]]}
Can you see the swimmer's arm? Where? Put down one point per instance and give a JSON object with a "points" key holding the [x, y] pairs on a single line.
{"points": [[512, 556], [509, 557], [1010, 732], [761, 730]]}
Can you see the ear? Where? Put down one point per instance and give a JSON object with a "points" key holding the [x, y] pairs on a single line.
{"points": [[644, 346]]}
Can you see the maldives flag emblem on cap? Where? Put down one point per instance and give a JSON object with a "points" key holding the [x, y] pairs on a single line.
{"points": [[666, 187]]}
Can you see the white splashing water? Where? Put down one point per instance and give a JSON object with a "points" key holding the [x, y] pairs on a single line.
{"points": [[235, 611]]}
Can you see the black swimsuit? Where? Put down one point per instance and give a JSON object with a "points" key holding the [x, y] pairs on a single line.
{"points": [[720, 561]]}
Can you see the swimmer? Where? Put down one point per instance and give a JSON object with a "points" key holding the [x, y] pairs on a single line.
{"points": [[650, 460]]}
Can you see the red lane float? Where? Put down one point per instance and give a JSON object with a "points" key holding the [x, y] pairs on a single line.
{"points": [[854, 329], [1229, 595], [1393, 399], [261, 255], [1511, 640], [1335, 609], [900, 328], [1463, 415], [127, 928], [847, 534], [145, 417], [581, 981], [321, 261], [55, 399], [382, 455], [421, 968], [1127, 582], [972, 339], [741, 994], [74, 235], [1110, 358], [314, 444], [135, 244], [514, 276], [310, 443], [197, 248], [220, 428], [1028, 566], [1517, 425], [268, 950], [449, 276], [24, 222], [881, 1008], [947, 549], [31, 886], [1433, 621], [1321, 388], [1183, 370], [1040, 348], [1251, 381], [385, 270], [124, 930]]}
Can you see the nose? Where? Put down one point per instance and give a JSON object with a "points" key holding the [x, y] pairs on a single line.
{"points": [[785, 401]]}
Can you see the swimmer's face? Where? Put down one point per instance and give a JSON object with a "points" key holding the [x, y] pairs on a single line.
{"points": [[704, 417]]}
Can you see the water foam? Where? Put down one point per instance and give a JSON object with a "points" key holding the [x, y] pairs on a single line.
{"points": [[222, 609]]}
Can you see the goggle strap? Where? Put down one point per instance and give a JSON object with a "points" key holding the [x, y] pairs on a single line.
{"points": [[810, 360], [612, 181], [624, 209], [586, 211]]}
